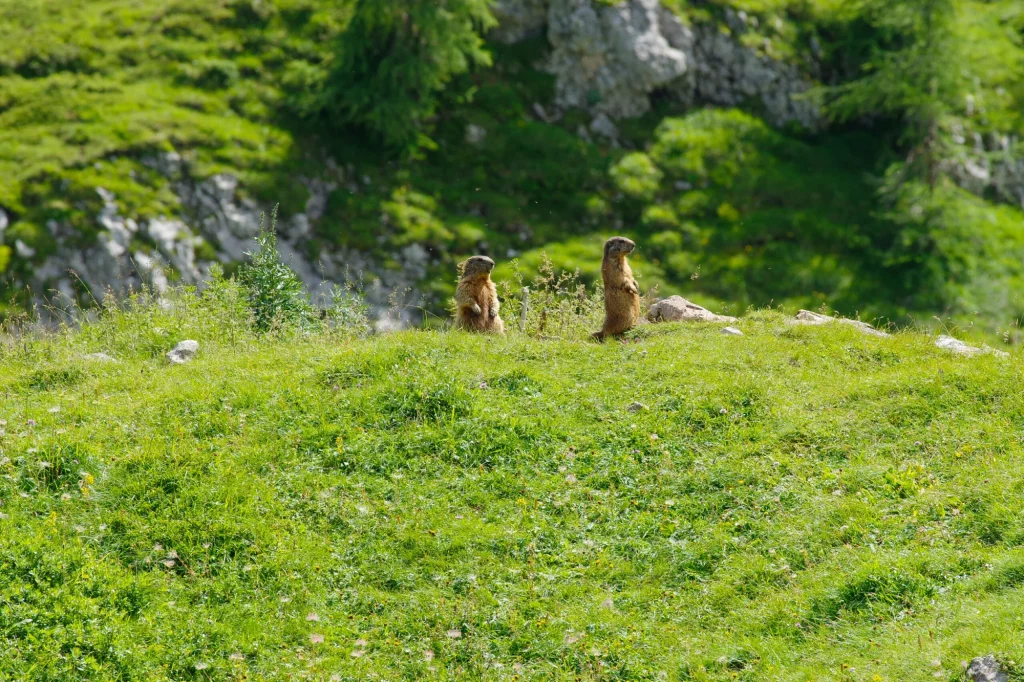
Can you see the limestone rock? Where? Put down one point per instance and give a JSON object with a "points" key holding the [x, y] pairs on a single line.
{"points": [[608, 58], [636, 407], [677, 308], [986, 669], [732, 331], [960, 348], [808, 317], [183, 352]]}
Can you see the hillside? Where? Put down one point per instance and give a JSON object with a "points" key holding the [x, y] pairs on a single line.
{"points": [[799, 503], [140, 140]]}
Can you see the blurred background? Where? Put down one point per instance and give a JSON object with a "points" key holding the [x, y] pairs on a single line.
{"points": [[856, 156]]}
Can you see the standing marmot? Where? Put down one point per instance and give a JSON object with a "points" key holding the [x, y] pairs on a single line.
{"points": [[476, 297], [621, 293]]}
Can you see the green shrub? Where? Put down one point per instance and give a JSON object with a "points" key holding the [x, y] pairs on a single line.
{"points": [[277, 297]]}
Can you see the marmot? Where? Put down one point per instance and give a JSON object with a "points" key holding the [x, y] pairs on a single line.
{"points": [[621, 293], [476, 297]]}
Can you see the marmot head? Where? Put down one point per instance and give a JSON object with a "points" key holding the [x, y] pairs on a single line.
{"points": [[618, 246], [476, 266]]}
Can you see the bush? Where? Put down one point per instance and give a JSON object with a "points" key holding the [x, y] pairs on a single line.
{"points": [[277, 297]]}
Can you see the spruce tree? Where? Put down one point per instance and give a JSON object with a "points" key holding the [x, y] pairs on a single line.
{"points": [[915, 72], [395, 59]]}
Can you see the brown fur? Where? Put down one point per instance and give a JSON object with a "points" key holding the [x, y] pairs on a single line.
{"points": [[476, 298], [621, 292]]}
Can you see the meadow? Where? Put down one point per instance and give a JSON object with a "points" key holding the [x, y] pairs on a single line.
{"points": [[799, 503]]}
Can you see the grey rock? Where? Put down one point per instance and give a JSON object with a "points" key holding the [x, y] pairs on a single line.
{"points": [[519, 20], [732, 331], [636, 407], [608, 58], [183, 352], [986, 669], [475, 134], [809, 317], [603, 126], [23, 250], [957, 346], [678, 309], [177, 244]]}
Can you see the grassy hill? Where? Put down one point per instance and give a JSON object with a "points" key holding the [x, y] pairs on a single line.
{"points": [[800, 503], [89, 89]]}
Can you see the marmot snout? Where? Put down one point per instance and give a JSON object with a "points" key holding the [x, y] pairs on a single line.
{"points": [[621, 292], [476, 297]]}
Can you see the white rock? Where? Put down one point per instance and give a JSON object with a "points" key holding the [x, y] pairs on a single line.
{"points": [[812, 318], [960, 348], [732, 331], [677, 308], [183, 352]]}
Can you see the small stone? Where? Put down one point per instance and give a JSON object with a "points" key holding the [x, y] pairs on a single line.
{"points": [[678, 309], [475, 134], [636, 407], [183, 352], [986, 669], [731, 331]]}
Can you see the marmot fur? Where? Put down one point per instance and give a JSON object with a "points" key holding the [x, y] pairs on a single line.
{"points": [[621, 293], [476, 297]]}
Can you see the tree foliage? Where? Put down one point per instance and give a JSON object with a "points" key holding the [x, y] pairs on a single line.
{"points": [[914, 72], [396, 58]]}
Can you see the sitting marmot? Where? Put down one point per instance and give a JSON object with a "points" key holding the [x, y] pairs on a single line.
{"points": [[621, 293], [476, 297]]}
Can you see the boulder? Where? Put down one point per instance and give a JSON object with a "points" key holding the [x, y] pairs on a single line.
{"points": [[808, 317], [183, 352], [678, 309], [960, 348], [609, 58], [986, 669]]}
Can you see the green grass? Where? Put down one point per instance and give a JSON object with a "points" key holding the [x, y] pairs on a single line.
{"points": [[801, 503]]}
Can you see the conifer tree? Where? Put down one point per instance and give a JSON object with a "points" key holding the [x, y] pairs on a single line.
{"points": [[396, 58]]}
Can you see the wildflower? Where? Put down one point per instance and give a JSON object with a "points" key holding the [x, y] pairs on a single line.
{"points": [[236, 657], [312, 617], [316, 639], [428, 655], [455, 634], [202, 666]]}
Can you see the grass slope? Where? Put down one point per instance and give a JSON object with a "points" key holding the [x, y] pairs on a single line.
{"points": [[796, 504]]}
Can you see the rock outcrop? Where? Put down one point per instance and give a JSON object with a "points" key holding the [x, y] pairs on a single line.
{"points": [[957, 346], [678, 309], [608, 58], [808, 317]]}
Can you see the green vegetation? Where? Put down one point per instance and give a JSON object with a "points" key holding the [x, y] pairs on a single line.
{"points": [[801, 503], [861, 216]]}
